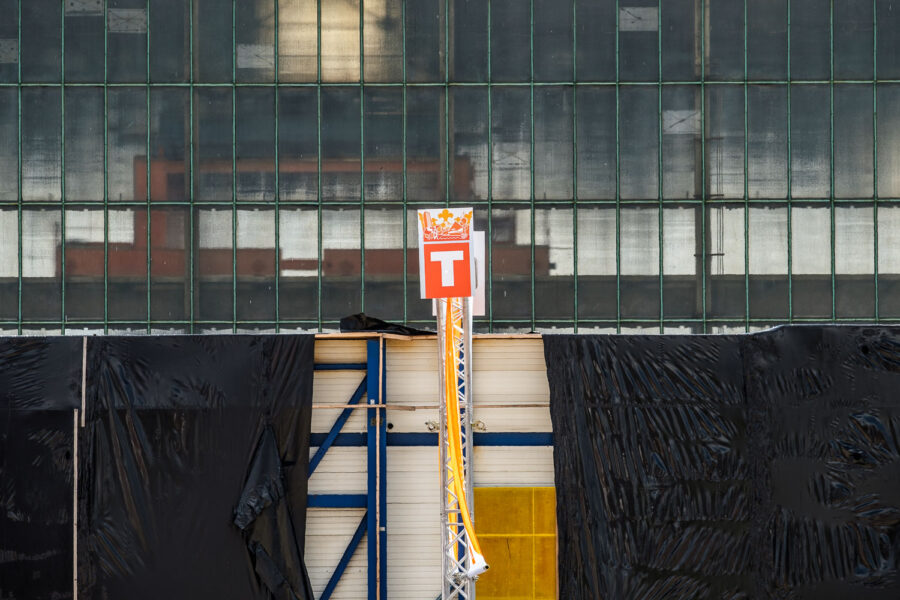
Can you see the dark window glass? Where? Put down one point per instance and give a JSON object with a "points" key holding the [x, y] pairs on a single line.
{"points": [[171, 246], [425, 171], [724, 142], [724, 49], [681, 261], [639, 261], [596, 42], [9, 41], [255, 39], [84, 40], [298, 256], [84, 144], [681, 151], [596, 245], [553, 143], [639, 143], [127, 40], [471, 152], [767, 53], [425, 40], [469, 59], [810, 39], [213, 52], [170, 157], [340, 145], [510, 40], [41, 40], [341, 262], [384, 145], [213, 252], [680, 40], [638, 40], [853, 42], [127, 134], [853, 141], [384, 262], [213, 145], [725, 261], [511, 144], [888, 17], [510, 249], [9, 160], [41, 272], [255, 150], [552, 41], [554, 263], [854, 261], [85, 261], [810, 142], [169, 40], [255, 264], [767, 227], [9, 264], [811, 253], [889, 140], [41, 144], [767, 161], [596, 131], [297, 144]]}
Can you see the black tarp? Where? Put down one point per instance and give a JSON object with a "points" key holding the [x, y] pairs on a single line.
{"points": [[192, 467], [728, 467]]}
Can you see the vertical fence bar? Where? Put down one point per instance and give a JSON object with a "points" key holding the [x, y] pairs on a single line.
{"points": [[234, 214], [105, 167], [831, 144], [19, 216], [659, 166], [790, 176], [148, 213], [489, 250], [191, 163], [362, 157], [746, 183], [319, 164], [277, 94], [62, 155], [875, 154], [618, 185], [531, 153], [703, 194], [405, 198], [575, 165]]}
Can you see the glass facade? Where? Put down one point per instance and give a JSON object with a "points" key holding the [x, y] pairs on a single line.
{"points": [[236, 165]]}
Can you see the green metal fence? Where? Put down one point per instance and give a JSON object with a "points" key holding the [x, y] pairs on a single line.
{"points": [[215, 165]]}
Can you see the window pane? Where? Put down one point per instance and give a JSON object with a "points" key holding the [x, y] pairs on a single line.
{"points": [[213, 52], [639, 143], [853, 39], [9, 43], [85, 261], [214, 290], [889, 261], [768, 258], [298, 257], [126, 56], [510, 249], [726, 256], [425, 40], [681, 250], [510, 40], [127, 132], [41, 40], [554, 261], [256, 263], [255, 38], [810, 142], [340, 144], [767, 146], [853, 140], [553, 143], [9, 264], [84, 144], [127, 264], [384, 262], [297, 144], [725, 142], [9, 154], [169, 143], [470, 143], [255, 144], [41, 144], [767, 39], [638, 40], [340, 41], [596, 131], [811, 261], [888, 140], [680, 40], [810, 38], [297, 40], [681, 152], [639, 262], [725, 40], [384, 145], [596, 263], [171, 278], [341, 264], [552, 41], [888, 17], [596, 42], [84, 41], [383, 27], [425, 171], [41, 273], [212, 145], [854, 261], [170, 44], [511, 151]]}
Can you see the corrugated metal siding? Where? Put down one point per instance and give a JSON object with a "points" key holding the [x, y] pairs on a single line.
{"points": [[506, 371]]}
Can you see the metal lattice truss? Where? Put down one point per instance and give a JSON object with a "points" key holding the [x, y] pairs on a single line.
{"points": [[462, 561]]}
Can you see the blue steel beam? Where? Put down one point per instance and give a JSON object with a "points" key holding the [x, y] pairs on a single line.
{"points": [[326, 443], [376, 442], [345, 559], [336, 501], [340, 367], [542, 438]]}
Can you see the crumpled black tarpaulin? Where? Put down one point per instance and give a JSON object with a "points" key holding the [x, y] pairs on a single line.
{"points": [[40, 388], [738, 467], [195, 478], [364, 322]]}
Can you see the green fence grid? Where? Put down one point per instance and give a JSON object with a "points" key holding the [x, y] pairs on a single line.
{"points": [[703, 321]]}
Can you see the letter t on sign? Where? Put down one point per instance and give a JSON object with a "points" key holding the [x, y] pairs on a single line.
{"points": [[445, 253]]}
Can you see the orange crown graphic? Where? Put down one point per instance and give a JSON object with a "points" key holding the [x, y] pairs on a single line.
{"points": [[446, 226]]}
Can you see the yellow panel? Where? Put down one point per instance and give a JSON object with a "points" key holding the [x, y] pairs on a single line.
{"points": [[545, 567], [545, 510], [503, 510], [512, 567]]}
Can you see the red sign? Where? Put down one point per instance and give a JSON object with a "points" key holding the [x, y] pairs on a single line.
{"points": [[447, 272], [445, 253]]}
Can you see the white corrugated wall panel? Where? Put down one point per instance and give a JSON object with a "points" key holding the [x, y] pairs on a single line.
{"points": [[328, 531]]}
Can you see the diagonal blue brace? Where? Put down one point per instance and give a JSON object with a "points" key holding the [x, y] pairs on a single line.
{"points": [[338, 425], [345, 559]]}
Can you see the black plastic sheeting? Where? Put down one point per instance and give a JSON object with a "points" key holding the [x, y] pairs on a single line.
{"points": [[193, 467], [364, 322], [728, 467]]}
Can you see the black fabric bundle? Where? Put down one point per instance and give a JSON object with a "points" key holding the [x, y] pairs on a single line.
{"points": [[728, 467]]}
